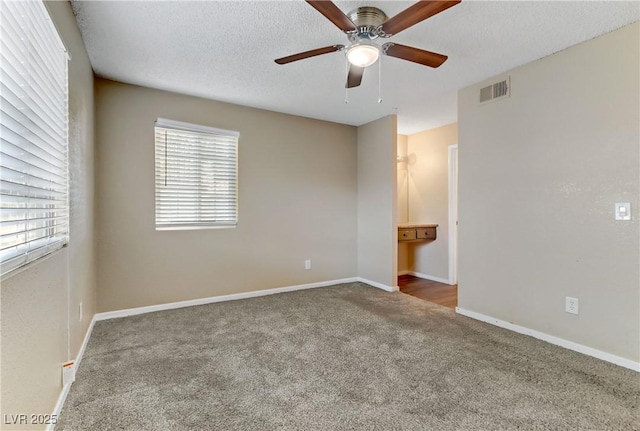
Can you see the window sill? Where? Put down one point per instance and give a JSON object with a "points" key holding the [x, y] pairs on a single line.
{"points": [[29, 265], [199, 227]]}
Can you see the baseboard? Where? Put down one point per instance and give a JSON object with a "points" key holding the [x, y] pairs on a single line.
{"points": [[212, 299], [429, 277], [378, 285], [65, 390], [87, 336], [58, 407], [608, 357]]}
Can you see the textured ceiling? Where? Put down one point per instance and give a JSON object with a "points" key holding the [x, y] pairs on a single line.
{"points": [[225, 51]]}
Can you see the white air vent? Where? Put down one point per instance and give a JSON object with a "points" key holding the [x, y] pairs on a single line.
{"points": [[498, 90]]}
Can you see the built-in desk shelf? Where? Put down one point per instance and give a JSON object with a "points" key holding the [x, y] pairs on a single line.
{"points": [[417, 232]]}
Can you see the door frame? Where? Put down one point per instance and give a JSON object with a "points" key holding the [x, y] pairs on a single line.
{"points": [[453, 213]]}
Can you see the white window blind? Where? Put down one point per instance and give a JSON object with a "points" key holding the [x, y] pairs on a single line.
{"points": [[196, 176], [34, 208]]}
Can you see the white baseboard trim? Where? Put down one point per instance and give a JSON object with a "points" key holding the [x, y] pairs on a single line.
{"points": [[429, 277], [87, 336], [608, 357], [65, 390], [58, 407], [378, 285], [212, 299]]}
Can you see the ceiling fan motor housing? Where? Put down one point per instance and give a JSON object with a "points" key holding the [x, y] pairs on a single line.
{"points": [[367, 19]]}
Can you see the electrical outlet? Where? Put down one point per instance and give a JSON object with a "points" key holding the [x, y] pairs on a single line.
{"points": [[307, 264], [80, 312], [571, 305]]}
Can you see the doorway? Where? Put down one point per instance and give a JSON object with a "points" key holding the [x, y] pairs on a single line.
{"points": [[440, 289]]}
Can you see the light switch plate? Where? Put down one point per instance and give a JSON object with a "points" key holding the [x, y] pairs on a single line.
{"points": [[623, 211]]}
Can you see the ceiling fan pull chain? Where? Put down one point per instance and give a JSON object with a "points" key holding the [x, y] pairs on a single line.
{"points": [[380, 79]]}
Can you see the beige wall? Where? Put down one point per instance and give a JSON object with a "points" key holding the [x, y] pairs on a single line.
{"points": [[428, 198], [403, 204], [377, 201], [297, 201], [539, 175], [41, 300]]}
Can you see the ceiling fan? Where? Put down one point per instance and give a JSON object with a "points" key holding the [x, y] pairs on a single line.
{"points": [[366, 24]]}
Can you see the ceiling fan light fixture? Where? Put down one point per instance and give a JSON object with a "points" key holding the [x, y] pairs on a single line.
{"points": [[363, 54]]}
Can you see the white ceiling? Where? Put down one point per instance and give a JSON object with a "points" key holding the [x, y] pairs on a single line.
{"points": [[225, 51]]}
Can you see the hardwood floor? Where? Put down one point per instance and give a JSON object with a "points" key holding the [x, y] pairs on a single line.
{"points": [[432, 291]]}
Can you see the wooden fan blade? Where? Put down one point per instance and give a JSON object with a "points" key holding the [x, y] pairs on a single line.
{"points": [[307, 54], [415, 14], [420, 56], [333, 14], [355, 76]]}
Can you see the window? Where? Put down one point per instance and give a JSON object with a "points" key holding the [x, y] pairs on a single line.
{"points": [[196, 176], [34, 207]]}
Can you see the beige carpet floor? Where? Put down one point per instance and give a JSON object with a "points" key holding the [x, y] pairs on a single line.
{"points": [[346, 357]]}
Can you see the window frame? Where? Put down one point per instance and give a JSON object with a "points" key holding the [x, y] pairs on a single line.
{"points": [[37, 76], [196, 130]]}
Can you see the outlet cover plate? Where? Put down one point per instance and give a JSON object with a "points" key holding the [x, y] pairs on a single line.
{"points": [[623, 211], [572, 305]]}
